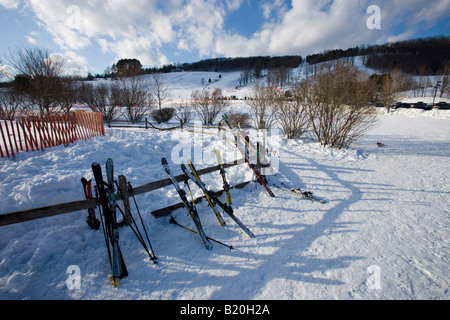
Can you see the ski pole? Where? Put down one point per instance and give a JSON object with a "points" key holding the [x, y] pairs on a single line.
{"points": [[137, 231], [140, 217], [173, 221]]}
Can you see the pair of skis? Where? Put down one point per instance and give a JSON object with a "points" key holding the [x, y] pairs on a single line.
{"points": [[246, 152], [109, 220], [190, 206], [215, 200], [106, 194], [262, 180]]}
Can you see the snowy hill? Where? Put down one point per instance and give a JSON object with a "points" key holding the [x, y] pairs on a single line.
{"points": [[383, 234]]}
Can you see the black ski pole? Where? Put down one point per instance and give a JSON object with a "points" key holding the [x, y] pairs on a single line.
{"points": [[173, 221], [130, 188], [137, 231]]}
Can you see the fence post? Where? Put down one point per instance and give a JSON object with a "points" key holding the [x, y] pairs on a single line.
{"points": [[9, 139], [14, 136], [4, 141]]}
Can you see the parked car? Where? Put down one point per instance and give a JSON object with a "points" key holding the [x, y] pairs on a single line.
{"points": [[401, 105], [422, 105], [442, 105]]}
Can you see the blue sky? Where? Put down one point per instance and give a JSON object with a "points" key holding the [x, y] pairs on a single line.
{"points": [[94, 34]]}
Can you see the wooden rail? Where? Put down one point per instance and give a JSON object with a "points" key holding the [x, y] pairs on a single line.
{"points": [[63, 208]]}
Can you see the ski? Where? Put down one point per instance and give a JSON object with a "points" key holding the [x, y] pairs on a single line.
{"points": [[246, 155], [259, 176], [190, 207], [210, 201], [92, 220], [111, 231], [226, 208], [119, 263], [226, 185], [308, 195]]}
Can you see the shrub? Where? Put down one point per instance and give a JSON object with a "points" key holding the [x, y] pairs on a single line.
{"points": [[337, 105], [208, 105], [184, 113], [262, 107], [163, 115], [239, 119]]}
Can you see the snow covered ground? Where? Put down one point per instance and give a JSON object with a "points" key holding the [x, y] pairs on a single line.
{"points": [[383, 234]]}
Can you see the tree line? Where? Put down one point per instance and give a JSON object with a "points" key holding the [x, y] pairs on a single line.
{"points": [[333, 103], [215, 65], [425, 56], [41, 86]]}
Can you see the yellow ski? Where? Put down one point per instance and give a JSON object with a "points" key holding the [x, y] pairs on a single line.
{"points": [[226, 185], [211, 204]]}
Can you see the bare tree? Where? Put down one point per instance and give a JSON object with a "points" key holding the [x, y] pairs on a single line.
{"points": [[261, 104], [445, 79], [41, 72], [337, 105], [159, 89], [291, 111], [12, 104], [391, 86], [184, 113], [208, 104], [131, 94], [69, 94], [279, 76], [100, 99]]}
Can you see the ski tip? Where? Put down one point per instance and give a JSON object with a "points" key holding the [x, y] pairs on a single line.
{"points": [[109, 163], [164, 161]]}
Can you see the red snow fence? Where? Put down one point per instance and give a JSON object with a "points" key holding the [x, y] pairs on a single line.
{"points": [[32, 133]]}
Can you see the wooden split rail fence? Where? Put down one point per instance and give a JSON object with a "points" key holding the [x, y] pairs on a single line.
{"points": [[32, 133], [63, 208]]}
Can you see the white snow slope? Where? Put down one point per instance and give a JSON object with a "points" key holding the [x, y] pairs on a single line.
{"points": [[383, 234]]}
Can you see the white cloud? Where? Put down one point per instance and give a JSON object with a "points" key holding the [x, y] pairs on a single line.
{"points": [[275, 8], [141, 29], [311, 26], [10, 4], [428, 12], [198, 23], [73, 63], [400, 37], [234, 5], [31, 37], [136, 29]]}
